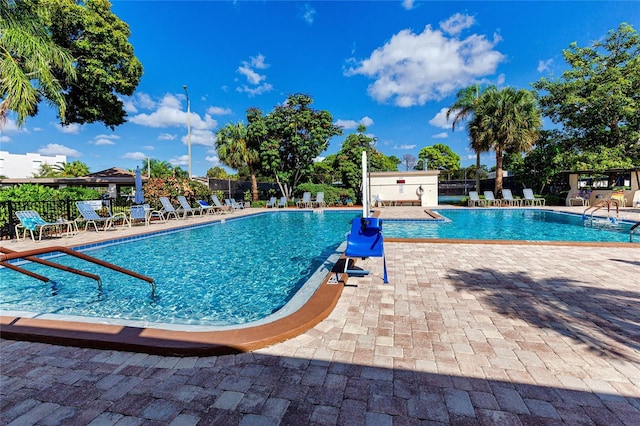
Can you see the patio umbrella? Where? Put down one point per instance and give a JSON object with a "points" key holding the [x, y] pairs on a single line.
{"points": [[139, 194]]}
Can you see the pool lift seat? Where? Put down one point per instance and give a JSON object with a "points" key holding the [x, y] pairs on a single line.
{"points": [[365, 240]]}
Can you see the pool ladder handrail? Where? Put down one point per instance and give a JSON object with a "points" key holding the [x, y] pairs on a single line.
{"points": [[599, 205], [31, 255], [633, 228]]}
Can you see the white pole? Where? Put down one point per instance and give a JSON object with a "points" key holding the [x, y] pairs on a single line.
{"points": [[188, 129], [365, 195]]}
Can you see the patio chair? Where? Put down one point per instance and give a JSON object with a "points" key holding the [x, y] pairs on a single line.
{"points": [[475, 200], [186, 208], [618, 195], [581, 197], [319, 202], [305, 201], [236, 205], [206, 207], [91, 217], [143, 213], [231, 207], [272, 202], [167, 209], [283, 202], [507, 198], [636, 200], [379, 202], [530, 199], [490, 199], [218, 205], [30, 220]]}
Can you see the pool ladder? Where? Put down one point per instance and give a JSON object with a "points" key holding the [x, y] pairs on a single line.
{"points": [[31, 255], [600, 205], [633, 228]]}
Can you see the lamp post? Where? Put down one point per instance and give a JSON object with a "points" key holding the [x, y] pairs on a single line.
{"points": [[188, 127]]}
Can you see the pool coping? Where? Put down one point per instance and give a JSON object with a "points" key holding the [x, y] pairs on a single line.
{"points": [[197, 343]]}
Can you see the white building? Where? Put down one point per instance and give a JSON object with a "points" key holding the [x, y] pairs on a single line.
{"points": [[413, 188], [25, 165]]}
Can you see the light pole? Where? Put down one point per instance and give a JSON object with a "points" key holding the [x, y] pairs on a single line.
{"points": [[372, 145], [188, 127]]}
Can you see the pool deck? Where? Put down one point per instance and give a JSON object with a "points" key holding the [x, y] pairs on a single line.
{"points": [[468, 333]]}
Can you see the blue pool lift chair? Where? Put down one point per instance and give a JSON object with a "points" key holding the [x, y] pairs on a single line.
{"points": [[365, 240]]}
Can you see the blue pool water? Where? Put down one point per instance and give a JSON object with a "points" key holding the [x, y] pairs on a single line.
{"points": [[245, 269], [222, 274], [510, 224]]}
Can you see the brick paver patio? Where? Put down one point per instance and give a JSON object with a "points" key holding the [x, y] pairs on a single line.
{"points": [[463, 334]]}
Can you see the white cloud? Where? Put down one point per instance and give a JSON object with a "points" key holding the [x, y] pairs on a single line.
{"points": [[200, 137], [442, 135], [135, 156], [455, 24], [170, 114], [256, 84], [544, 65], [166, 137], [214, 160], [440, 119], [213, 110], [308, 13], [404, 147], [183, 160], [149, 147], [252, 76], [11, 126], [57, 149], [5, 139], [407, 4], [353, 124], [366, 121], [69, 129], [411, 69], [102, 141], [252, 91]]}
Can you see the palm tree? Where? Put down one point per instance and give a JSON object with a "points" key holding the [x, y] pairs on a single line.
{"points": [[463, 108], [235, 150], [29, 59], [506, 120]]}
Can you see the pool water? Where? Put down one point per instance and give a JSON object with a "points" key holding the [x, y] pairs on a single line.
{"points": [[510, 224], [228, 273]]}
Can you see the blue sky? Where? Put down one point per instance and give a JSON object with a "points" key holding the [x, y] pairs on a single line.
{"points": [[393, 66]]}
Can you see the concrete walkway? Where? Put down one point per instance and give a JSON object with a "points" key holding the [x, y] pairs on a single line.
{"points": [[463, 334]]}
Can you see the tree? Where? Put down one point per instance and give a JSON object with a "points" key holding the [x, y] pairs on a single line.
{"points": [[409, 161], [29, 62], [438, 157], [291, 137], [161, 169], [506, 120], [237, 149], [217, 172], [463, 109], [597, 100], [62, 170], [105, 62]]}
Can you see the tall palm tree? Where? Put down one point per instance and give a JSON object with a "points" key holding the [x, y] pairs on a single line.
{"points": [[28, 60], [463, 109], [506, 120], [235, 150]]}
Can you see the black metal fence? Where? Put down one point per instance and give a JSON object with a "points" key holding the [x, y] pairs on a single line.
{"points": [[237, 188], [49, 210]]}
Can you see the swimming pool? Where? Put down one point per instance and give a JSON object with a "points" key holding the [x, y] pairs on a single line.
{"points": [[510, 224], [226, 273]]}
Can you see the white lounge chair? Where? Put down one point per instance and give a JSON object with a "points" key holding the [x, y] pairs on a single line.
{"points": [[30, 220], [475, 200], [531, 199], [636, 200], [236, 205], [143, 213], [319, 202], [507, 198], [91, 217], [272, 202], [283, 202], [167, 209], [218, 205], [305, 201], [490, 199], [186, 208], [206, 207], [379, 202]]}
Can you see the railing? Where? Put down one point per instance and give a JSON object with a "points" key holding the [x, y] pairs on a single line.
{"points": [[49, 211], [600, 205], [633, 228]]}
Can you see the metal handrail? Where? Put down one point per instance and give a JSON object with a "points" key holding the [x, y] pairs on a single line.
{"points": [[631, 231], [8, 254]]}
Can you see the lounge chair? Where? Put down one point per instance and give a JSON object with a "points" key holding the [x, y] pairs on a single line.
{"points": [[305, 201], [236, 205], [581, 197], [91, 217], [507, 198], [30, 220], [319, 201], [272, 202], [168, 210], [490, 199], [231, 207], [618, 195], [379, 202], [283, 202], [475, 200], [186, 208], [532, 200], [206, 207], [143, 213], [636, 200], [218, 205]]}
